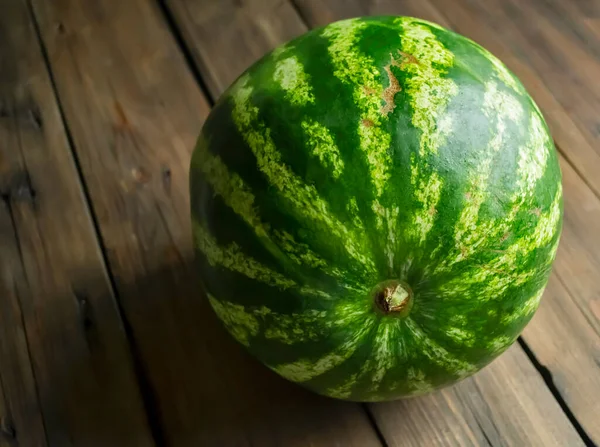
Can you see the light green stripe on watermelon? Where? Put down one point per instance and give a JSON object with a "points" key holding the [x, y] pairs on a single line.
{"points": [[526, 309], [297, 327], [426, 346], [302, 196], [545, 230], [343, 391], [428, 88], [388, 218], [297, 251], [290, 75], [426, 62], [241, 324], [359, 70], [386, 351], [418, 382], [294, 81], [347, 314], [230, 186], [506, 262], [323, 147], [289, 329], [504, 75], [469, 233], [461, 336], [533, 158], [309, 291], [457, 330], [499, 344], [546, 227], [352, 208], [552, 252], [238, 196], [427, 191], [232, 258], [391, 216], [307, 369]]}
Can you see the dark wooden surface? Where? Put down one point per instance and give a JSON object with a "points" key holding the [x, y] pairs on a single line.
{"points": [[66, 369], [105, 336]]}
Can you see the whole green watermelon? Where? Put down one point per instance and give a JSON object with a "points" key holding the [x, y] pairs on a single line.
{"points": [[376, 208]]}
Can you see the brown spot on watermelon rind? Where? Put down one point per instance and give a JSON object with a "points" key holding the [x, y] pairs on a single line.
{"points": [[408, 59], [367, 123], [390, 91]]}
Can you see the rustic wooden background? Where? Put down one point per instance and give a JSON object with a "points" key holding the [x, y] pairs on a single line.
{"points": [[105, 336]]}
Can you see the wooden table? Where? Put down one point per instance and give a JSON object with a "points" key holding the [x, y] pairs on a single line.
{"points": [[105, 336]]}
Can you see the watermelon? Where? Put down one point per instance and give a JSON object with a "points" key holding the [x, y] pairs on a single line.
{"points": [[376, 208]]}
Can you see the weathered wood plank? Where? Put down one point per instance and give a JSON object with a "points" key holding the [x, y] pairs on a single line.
{"points": [[7, 429], [320, 13], [424, 429], [20, 412], [501, 405], [577, 259], [57, 310], [135, 111], [238, 32], [565, 342]]}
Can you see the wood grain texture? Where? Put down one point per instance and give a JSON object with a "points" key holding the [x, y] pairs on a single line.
{"points": [[433, 420], [57, 309], [21, 417], [135, 110], [501, 405], [578, 259], [7, 430], [239, 31], [318, 13], [567, 344]]}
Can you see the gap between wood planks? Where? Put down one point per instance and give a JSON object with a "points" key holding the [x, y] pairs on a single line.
{"points": [[186, 52], [549, 381], [374, 424], [146, 390]]}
